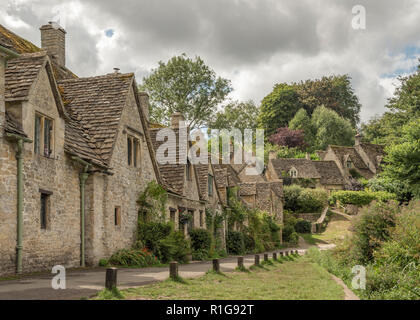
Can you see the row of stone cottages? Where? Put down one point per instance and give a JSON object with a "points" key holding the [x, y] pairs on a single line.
{"points": [[75, 153]]}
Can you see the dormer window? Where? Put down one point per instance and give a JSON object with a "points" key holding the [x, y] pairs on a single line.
{"points": [[133, 151], [43, 136], [293, 173], [348, 164]]}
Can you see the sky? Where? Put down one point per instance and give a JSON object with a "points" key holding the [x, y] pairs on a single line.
{"points": [[254, 43]]}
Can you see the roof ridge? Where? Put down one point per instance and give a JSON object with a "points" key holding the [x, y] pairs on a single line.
{"points": [[104, 76]]}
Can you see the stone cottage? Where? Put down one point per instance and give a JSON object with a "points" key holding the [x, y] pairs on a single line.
{"points": [[74, 155]]}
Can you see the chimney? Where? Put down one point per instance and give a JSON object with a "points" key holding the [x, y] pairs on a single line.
{"points": [[308, 156], [144, 104], [272, 155], [176, 118], [53, 39], [358, 139]]}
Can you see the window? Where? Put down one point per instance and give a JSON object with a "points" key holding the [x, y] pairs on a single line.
{"points": [[201, 218], [210, 187], [190, 225], [293, 173], [45, 209], [43, 136], [117, 216], [133, 151], [349, 164], [172, 215]]}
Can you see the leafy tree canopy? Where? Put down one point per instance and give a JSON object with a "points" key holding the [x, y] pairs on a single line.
{"points": [[187, 86]]}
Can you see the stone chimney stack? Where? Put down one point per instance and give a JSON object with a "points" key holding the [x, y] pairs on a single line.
{"points": [[176, 118], [358, 139], [144, 104], [53, 39], [308, 156], [272, 155]]}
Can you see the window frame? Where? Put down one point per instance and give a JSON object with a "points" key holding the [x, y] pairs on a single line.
{"points": [[44, 209], [133, 151], [44, 135], [117, 216], [210, 190]]}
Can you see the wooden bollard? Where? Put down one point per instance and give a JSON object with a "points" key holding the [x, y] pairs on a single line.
{"points": [[257, 259], [173, 270], [216, 265], [111, 278], [274, 255], [265, 256], [240, 262]]}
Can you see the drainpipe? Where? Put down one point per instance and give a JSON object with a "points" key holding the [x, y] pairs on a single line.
{"points": [[83, 176], [19, 157]]}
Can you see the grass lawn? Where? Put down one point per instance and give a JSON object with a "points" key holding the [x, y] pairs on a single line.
{"points": [[297, 279]]}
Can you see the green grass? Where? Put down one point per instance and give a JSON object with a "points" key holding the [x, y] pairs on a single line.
{"points": [[298, 279]]}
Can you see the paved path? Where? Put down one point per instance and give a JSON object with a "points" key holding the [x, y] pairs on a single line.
{"points": [[85, 283]]}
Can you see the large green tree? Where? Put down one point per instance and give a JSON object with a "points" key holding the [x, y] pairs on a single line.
{"points": [[239, 115], [301, 121], [331, 129], [334, 92], [278, 108], [187, 86]]}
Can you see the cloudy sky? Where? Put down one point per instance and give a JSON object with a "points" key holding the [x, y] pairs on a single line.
{"points": [[254, 43]]}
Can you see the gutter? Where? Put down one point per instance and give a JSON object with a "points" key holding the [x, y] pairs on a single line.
{"points": [[19, 236], [83, 176]]}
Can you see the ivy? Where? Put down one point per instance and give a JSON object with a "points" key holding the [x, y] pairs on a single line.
{"points": [[152, 201]]}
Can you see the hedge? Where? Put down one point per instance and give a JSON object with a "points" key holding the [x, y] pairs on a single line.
{"points": [[360, 198], [304, 200]]}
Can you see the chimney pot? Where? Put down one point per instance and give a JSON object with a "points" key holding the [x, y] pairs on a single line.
{"points": [[176, 118], [116, 70]]}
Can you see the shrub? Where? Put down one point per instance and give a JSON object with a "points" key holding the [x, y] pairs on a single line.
{"points": [[291, 195], [303, 226], [103, 262], [133, 257], [174, 248], [249, 243], [288, 230], [235, 242], [360, 198], [150, 233], [294, 238], [201, 241], [312, 200]]}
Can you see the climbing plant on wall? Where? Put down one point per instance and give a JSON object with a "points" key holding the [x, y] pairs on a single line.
{"points": [[152, 202]]}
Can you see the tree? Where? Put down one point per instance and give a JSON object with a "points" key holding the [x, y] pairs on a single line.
{"points": [[334, 92], [403, 159], [187, 86], [289, 138], [278, 108], [240, 115], [331, 129], [301, 121]]}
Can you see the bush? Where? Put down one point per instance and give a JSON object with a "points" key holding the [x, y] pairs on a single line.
{"points": [[249, 243], [294, 238], [360, 198], [291, 195], [235, 243], [303, 226], [288, 230], [201, 241], [174, 248], [133, 257], [150, 234], [312, 200]]}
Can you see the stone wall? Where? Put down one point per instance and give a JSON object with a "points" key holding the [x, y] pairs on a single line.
{"points": [[2, 102]]}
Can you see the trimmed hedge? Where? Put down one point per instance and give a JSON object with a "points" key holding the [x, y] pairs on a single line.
{"points": [[304, 200], [303, 226], [360, 198], [235, 242], [200, 243]]}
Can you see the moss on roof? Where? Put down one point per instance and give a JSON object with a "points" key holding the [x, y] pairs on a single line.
{"points": [[12, 41]]}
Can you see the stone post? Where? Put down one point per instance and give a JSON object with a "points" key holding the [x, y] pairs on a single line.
{"points": [[216, 265], [173, 270], [240, 262], [111, 278], [257, 260]]}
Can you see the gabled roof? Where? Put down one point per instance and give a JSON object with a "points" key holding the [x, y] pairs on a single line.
{"points": [[374, 152], [202, 172], [345, 153], [96, 104], [329, 172], [21, 73], [305, 168]]}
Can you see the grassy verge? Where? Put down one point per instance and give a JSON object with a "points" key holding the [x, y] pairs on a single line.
{"points": [[294, 278]]}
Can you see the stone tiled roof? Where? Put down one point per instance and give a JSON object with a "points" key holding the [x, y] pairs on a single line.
{"points": [[13, 126], [172, 174], [345, 153], [21, 73], [202, 172], [248, 189], [374, 152], [227, 176], [305, 168], [96, 104], [329, 172], [13, 42]]}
